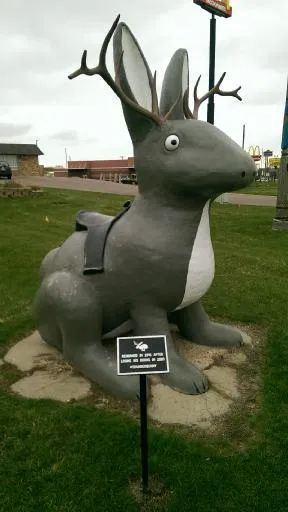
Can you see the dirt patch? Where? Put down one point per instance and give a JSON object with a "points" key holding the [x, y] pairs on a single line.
{"points": [[156, 499]]}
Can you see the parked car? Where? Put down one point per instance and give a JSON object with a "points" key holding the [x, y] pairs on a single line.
{"points": [[5, 171], [129, 180]]}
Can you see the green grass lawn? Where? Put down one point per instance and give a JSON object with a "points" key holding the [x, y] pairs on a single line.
{"points": [[73, 457], [263, 188]]}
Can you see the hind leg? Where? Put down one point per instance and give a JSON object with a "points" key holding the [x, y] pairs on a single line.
{"points": [[45, 316], [195, 325], [83, 348], [77, 312]]}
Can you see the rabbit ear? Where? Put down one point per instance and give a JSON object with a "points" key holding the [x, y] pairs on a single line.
{"points": [[133, 75], [175, 84]]}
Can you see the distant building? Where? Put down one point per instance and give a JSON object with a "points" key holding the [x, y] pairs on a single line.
{"points": [[22, 158], [111, 170]]}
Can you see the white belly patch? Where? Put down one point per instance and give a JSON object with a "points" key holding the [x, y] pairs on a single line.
{"points": [[201, 265]]}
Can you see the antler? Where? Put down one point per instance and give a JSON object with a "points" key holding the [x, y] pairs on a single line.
{"points": [[102, 70], [187, 112], [198, 101]]}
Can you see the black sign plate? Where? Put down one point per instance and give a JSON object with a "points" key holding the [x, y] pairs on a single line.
{"points": [[138, 355]]}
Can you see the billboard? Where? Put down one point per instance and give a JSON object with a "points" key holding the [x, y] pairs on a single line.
{"points": [[274, 162], [218, 7]]}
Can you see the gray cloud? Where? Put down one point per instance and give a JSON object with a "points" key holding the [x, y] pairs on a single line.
{"points": [[8, 130], [69, 136]]}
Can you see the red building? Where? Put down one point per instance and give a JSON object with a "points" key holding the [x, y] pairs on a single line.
{"points": [[110, 170]]}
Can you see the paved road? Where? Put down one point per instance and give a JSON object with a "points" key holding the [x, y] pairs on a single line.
{"points": [[117, 188], [79, 184]]}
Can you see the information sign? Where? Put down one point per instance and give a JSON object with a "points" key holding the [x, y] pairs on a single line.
{"points": [[138, 355]]}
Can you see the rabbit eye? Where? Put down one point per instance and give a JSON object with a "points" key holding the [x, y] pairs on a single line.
{"points": [[172, 142]]}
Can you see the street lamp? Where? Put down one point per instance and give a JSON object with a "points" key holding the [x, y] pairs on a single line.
{"points": [[281, 219]]}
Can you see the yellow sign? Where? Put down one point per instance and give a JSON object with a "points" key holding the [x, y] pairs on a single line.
{"points": [[255, 152], [274, 161], [218, 7]]}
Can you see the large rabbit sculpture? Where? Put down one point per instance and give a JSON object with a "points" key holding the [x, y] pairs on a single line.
{"points": [[153, 263]]}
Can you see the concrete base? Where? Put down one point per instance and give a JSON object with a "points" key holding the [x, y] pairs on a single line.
{"points": [[52, 379], [48, 376], [63, 386], [280, 225], [31, 353], [220, 365]]}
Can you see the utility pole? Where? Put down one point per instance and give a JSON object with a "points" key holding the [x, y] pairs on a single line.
{"points": [[280, 221], [66, 158], [243, 136]]}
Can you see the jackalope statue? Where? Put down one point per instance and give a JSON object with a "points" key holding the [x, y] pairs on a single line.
{"points": [[153, 263]]}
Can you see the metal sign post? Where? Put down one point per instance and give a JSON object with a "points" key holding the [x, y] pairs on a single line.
{"points": [[142, 355], [212, 51], [144, 432], [216, 8]]}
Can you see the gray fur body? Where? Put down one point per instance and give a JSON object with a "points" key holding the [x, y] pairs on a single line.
{"points": [[148, 250]]}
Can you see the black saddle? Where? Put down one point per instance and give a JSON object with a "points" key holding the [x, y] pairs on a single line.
{"points": [[98, 227]]}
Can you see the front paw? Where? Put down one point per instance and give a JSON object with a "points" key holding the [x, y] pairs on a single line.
{"points": [[188, 380], [218, 335]]}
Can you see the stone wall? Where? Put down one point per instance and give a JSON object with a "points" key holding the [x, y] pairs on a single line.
{"points": [[28, 166], [15, 191]]}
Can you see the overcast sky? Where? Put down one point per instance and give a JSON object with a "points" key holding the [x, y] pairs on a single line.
{"points": [[42, 42]]}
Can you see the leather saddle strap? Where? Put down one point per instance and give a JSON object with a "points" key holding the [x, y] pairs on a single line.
{"points": [[95, 244]]}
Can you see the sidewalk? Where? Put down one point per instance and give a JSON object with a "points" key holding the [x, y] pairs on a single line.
{"points": [[250, 199], [109, 187]]}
